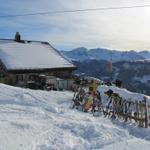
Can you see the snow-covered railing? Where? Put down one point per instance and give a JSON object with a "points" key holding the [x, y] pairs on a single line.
{"points": [[127, 110], [115, 103]]}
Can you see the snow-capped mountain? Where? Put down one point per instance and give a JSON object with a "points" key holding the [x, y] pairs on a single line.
{"points": [[79, 54], [145, 54], [82, 54]]}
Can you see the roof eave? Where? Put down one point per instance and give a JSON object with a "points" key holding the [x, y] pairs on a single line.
{"points": [[40, 70]]}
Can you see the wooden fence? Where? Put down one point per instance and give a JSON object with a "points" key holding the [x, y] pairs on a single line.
{"points": [[128, 110]]}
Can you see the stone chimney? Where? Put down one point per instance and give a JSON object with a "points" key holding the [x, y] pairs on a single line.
{"points": [[17, 37]]}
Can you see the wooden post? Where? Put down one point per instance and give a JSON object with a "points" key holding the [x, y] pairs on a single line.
{"points": [[146, 116], [126, 109], [113, 108], [137, 109], [140, 111]]}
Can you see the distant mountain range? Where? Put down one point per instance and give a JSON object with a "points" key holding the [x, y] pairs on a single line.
{"points": [[132, 67], [135, 75], [84, 54]]}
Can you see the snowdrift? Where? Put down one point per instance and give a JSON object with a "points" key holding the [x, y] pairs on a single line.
{"points": [[40, 120], [125, 94]]}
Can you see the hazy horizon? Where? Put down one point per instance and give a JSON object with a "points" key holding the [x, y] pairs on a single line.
{"points": [[90, 48]]}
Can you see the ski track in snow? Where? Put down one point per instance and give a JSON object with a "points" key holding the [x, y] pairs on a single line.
{"points": [[40, 120]]}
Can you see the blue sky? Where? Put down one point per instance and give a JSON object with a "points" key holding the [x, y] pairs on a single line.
{"points": [[115, 29]]}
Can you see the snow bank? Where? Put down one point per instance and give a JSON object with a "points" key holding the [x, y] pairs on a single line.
{"points": [[40, 120], [125, 94]]}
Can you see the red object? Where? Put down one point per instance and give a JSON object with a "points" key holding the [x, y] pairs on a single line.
{"points": [[110, 65]]}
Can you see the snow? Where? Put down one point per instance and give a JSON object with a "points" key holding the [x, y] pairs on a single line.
{"points": [[124, 93], [144, 79], [41, 120], [84, 54], [33, 55]]}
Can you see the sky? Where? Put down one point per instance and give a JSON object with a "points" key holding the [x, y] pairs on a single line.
{"points": [[124, 29]]}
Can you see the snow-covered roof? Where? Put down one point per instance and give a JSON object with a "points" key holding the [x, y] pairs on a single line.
{"points": [[31, 55]]}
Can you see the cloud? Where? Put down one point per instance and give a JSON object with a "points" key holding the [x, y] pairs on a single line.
{"points": [[120, 29]]}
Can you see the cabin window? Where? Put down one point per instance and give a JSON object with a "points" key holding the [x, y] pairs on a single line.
{"points": [[33, 77], [19, 77]]}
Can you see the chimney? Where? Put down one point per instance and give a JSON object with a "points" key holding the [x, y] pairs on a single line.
{"points": [[17, 37]]}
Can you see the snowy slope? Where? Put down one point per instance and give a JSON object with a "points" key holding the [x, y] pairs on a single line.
{"points": [[40, 120], [125, 94], [145, 79]]}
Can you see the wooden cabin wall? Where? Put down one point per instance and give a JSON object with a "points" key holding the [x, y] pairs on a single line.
{"points": [[17, 80], [5, 77]]}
